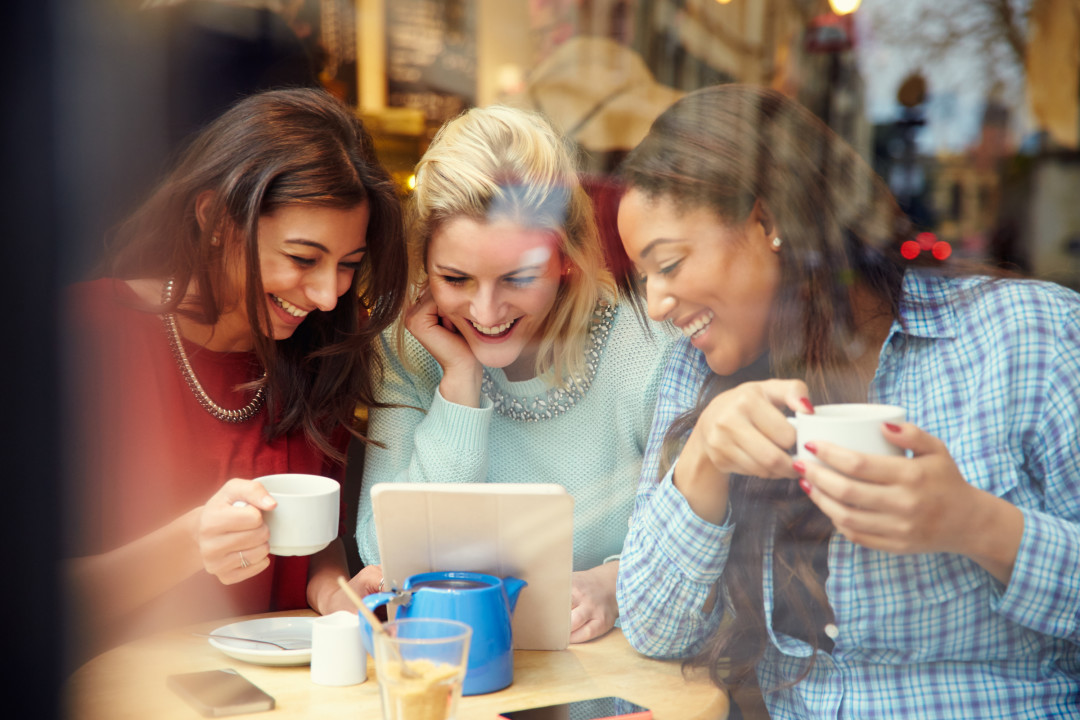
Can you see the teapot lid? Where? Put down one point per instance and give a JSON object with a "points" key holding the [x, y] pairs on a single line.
{"points": [[452, 580], [449, 584]]}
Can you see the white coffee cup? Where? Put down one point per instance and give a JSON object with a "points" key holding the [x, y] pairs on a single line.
{"points": [[337, 652], [306, 517], [855, 426]]}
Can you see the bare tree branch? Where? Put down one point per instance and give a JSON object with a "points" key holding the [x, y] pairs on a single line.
{"points": [[988, 36], [995, 28]]}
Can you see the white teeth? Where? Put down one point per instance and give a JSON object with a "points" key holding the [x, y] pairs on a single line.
{"points": [[699, 325], [493, 330], [289, 307]]}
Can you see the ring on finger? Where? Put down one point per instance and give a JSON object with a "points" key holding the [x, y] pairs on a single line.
{"points": [[243, 561]]}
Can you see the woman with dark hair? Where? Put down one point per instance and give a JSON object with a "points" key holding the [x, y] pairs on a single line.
{"points": [[939, 584], [230, 337]]}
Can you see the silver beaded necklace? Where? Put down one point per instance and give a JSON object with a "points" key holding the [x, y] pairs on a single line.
{"points": [[176, 344], [561, 398]]}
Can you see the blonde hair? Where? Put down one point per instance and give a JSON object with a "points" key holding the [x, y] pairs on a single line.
{"points": [[502, 163]]}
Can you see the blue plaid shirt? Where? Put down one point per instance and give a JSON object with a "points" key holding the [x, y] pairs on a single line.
{"points": [[993, 369]]}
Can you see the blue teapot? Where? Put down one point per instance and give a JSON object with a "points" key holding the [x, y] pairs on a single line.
{"points": [[483, 602]]}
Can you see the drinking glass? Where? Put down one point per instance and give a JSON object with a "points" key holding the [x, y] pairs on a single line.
{"points": [[420, 664]]}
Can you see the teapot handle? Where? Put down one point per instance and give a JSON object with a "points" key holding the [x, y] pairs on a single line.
{"points": [[372, 602], [377, 600]]}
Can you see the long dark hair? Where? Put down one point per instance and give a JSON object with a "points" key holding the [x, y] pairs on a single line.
{"points": [[726, 148], [271, 150]]}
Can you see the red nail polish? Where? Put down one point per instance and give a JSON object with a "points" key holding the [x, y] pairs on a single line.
{"points": [[807, 404], [892, 427], [804, 485], [810, 448], [799, 467]]}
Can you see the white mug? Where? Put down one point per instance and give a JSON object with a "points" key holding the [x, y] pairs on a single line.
{"points": [[337, 652], [306, 517], [855, 426]]}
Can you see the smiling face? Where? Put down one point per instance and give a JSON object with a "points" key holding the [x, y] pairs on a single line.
{"points": [[497, 283], [308, 256], [715, 282]]}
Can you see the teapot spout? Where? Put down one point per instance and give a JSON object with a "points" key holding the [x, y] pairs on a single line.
{"points": [[513, 589]]}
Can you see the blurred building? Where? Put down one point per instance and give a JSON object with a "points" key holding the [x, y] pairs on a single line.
{"points": [[796, 46], [966, 198], [967, 190], [603, 69], [1051, 232]]}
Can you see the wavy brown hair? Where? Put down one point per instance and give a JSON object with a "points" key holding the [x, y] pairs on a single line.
{"points": [[296, 147], [726, 148]]}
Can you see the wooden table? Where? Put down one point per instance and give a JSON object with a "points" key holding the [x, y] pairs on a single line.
{"points": [[129, 682]]}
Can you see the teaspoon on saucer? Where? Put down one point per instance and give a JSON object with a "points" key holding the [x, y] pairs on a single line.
{"points": [[244, 639]]}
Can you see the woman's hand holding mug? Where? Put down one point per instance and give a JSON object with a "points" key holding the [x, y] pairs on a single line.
{"points": [[233, 539], [742, 431], [248, 520], [916, 504]]}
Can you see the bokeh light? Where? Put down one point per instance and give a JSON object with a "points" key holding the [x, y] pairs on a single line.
{"points": [[942, 250], [910, 249], [844, 7]]}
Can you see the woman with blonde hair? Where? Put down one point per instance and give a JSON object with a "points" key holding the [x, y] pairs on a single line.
{"points": [[518, 363]]}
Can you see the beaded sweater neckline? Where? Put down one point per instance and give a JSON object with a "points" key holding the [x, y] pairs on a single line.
{"points": [[559, 399]]}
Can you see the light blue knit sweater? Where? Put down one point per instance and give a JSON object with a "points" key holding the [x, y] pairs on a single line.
{"points": [[594, 449]]}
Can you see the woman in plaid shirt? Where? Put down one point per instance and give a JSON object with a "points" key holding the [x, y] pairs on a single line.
{"points": [[942, 584]]}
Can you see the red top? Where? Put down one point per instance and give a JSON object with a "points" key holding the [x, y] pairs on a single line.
{"points": [[148, 452]]}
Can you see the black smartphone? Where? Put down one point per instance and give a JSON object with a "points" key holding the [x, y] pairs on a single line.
{"points": [[602, 708], [217, 693]]}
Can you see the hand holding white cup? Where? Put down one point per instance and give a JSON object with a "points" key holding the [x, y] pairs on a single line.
{"points": [[854, 426], [306, 517]]}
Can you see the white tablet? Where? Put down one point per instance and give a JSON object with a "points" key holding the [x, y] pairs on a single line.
{"points": [[524, 530]]}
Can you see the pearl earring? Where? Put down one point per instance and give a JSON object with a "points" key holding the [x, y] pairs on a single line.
{"points": [[214, 240], [776, 243]]}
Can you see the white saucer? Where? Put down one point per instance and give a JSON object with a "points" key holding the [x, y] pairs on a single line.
{"points": [[292, 632]]}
